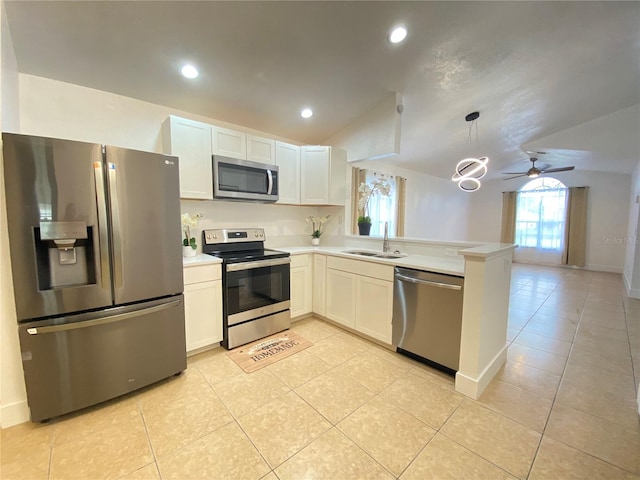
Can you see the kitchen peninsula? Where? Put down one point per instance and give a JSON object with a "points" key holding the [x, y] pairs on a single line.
{"points": [[486, 269]]}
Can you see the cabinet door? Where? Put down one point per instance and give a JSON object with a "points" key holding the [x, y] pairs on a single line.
{"points": [[191, 142], [228, 143], [203, 314], [341, 301], [314, 175], [260, 149], [288, 162], [374, 307], [300, 291], [319, 284]]}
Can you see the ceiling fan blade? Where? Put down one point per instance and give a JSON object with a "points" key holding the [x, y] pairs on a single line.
{"points": [[517, 176], [514, 173], [562, 169]]}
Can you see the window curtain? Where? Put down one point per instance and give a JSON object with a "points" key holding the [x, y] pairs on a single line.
{"points": [[508, 229], [575, 232], [401, 189], [358, 176]]}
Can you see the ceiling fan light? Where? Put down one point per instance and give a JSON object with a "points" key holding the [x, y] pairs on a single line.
{"points": [[533, 175]]}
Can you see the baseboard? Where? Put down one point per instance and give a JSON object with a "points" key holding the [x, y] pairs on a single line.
{"points": [[603, 268], [473, 387], [14, 413], [631, 292]]}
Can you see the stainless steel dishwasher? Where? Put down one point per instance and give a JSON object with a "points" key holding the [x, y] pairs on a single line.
{"points": [[427, 317]]}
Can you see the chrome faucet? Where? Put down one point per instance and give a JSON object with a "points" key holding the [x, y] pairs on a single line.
{"points": [[385, 241]]}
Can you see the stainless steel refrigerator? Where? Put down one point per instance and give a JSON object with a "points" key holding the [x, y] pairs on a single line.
{"points": [[95, 243]]}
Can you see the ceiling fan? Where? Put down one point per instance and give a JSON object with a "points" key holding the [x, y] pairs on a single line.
{"points": [[534, 171]]}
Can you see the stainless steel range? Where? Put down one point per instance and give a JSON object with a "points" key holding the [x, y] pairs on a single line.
{"points": [[255, 284]]}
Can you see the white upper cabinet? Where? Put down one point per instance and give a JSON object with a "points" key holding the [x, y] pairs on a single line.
{"points": [[260, 149], [322, 175], [190, 141], [288, 162], [228, 143]]}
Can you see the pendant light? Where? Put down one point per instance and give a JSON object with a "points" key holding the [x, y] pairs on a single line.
{"points": [[470, 170]]}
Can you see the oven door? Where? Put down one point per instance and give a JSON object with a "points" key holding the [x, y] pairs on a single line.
{"points": [[255, 289]]}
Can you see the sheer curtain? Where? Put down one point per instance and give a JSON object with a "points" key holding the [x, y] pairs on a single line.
{"points": [[383, 208]]}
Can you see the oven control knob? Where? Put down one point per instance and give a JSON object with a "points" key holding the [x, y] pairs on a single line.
{"points": [[208, 236], [256, 234], [215, 235]]}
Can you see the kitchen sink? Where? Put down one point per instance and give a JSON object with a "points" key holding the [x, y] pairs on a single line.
{"points": [[374, 254]]}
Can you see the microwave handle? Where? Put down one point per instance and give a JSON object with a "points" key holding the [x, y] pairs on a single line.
{"points": [[270, 184]]}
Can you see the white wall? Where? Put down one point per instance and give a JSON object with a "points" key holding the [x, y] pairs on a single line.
{"points": [[608, 214], [13, 405], [374, 135], [632, 241]]}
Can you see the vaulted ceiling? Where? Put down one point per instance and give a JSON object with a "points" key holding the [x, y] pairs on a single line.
{"points": [[556, 76]]}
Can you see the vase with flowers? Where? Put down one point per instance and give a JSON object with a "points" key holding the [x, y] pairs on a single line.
{"points": [[189, 243], [380, 186], [316, 227]]}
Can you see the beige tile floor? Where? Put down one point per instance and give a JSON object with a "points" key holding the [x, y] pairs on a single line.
{"points": [[562, 407]]}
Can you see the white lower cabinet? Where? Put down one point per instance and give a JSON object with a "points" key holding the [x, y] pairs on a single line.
{"points": [[202, 306], [360, 296], [374, 308], [301, 290], [341, 301]]}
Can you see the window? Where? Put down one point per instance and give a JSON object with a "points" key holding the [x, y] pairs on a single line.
{"points": [[382, 208], [540, 219]]}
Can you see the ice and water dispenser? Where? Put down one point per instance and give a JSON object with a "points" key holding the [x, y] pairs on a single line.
{"points": [[64, 252]]}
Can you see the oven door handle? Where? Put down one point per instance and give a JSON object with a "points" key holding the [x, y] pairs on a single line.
{"points": [[237, 267]]}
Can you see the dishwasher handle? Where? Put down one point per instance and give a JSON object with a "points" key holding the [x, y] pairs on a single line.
{"points": [[404, 278]]}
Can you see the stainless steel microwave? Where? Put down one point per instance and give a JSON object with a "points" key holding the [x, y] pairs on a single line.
{"points": [[235, 179]]}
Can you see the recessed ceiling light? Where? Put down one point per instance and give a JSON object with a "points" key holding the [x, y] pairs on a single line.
{"points": [[306, 113], [398, 34], [189, 71]]}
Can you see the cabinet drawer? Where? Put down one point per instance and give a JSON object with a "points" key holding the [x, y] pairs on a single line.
{"points": [[299, 260], [202, 273], [359, 267]]}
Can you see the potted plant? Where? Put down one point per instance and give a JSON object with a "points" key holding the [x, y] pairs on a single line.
{"points": [[364, 225], [379, 187], [189, 244], [316, 227]]}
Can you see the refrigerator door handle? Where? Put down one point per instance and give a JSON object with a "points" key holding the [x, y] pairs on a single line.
{"points": [[116, 226], [101, 321], [103, 239]]}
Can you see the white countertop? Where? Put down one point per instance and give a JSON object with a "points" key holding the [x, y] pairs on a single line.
{"points": [[449, 265], [201, 259], [453, 265]]}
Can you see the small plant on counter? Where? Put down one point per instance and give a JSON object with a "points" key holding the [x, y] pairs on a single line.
{"points": [[316, 225], [189, 222]]}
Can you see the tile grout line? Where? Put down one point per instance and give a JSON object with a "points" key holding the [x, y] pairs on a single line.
{"points": [[553, 401]]}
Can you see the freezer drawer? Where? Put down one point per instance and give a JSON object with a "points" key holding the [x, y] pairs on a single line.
{"points": [[81, 360], [427, 317]]}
